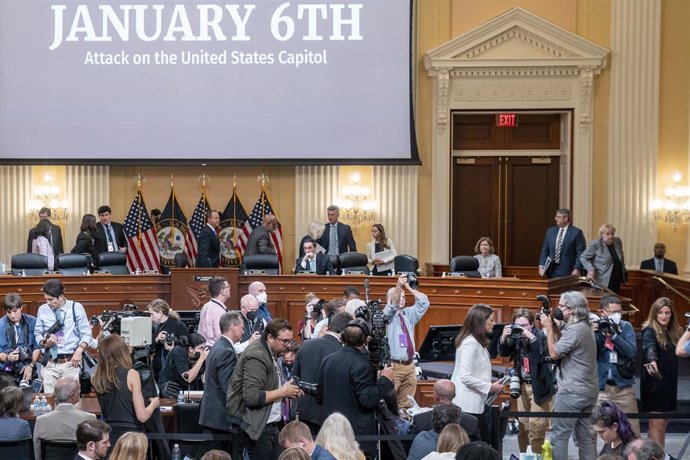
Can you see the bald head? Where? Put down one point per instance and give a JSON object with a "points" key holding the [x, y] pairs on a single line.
{"points": [[256, 288], [66, 390], [270, 221], [444, 391], [248, 303]]}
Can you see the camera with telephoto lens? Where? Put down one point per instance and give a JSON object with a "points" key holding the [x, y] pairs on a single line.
{"points": [[516, 332], [515, 390], [546, 309], [379, 351], [307, 387], [412, 280]]}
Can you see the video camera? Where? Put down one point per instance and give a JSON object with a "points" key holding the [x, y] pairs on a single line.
{"points": [[379, 351], [112, 319]]}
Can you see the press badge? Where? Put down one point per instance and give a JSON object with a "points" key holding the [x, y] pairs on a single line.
{"points": [[403, 340], [60, 336], [613, 357]]}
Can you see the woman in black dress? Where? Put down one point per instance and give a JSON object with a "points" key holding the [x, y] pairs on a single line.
{"points": [[659, 378], [86, 238], [118, 388]]}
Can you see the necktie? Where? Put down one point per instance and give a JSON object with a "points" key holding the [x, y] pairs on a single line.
{"points": [[559, 246], [333, 241], [109, 236], [408, 341], [312, 265], [659, 265]]}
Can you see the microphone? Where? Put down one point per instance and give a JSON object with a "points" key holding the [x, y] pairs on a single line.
{"points": [[366, 290]]}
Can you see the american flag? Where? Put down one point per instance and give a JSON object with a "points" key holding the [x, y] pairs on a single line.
{"points": [[142, 248], [261, 208], [198, 221]]}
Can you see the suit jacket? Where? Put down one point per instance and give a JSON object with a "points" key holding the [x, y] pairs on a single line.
{"points": [[323, 265], [101, 240], [574, 244], [346, 242], [669, 266], [321, 454], [388, 265], [55, 240], [471, 375], [58, 424], [209, 248], [259, 242], [424, 422], [598, 258], [353, 389], [220, 364], [307, 363]]}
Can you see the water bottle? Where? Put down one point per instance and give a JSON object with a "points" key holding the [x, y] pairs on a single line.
{"points": [[176, 453], [2, 267], [37, 403], [44, 403], [23, 272], [546, 452], [180, 398]]}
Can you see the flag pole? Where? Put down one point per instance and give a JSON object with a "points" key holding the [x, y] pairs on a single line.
{"points": [[172, 211], [140, 179]]}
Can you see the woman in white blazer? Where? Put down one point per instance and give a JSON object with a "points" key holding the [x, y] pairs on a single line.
{"points": [[382, 266], [472, 371]]}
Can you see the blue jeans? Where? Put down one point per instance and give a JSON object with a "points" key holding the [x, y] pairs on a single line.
{"points": [[580, 428]]}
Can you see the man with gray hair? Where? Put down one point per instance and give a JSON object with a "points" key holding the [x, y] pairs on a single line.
{"points": [[60, 423], [253, 325], [576, 356], [337, 238], [646, 449]]}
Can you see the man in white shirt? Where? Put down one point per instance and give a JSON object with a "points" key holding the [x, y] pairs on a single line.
{"points": [[214, 309], [93, 440]]}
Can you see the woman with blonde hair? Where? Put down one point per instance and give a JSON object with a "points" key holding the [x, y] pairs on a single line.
{"points": [[118, 388], [604, 259], [659, 379], [452, 438], [131, 446], [383, 264], [165, 321], [337, 437], [315, 231]]}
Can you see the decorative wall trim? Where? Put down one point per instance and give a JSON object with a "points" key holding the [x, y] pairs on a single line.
{"points": [[535, 92], [525, 36]]}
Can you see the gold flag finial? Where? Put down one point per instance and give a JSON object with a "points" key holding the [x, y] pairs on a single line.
{"points": [[204, 179], [263, 178], [139, 179], [234, 180], [172, 181]]}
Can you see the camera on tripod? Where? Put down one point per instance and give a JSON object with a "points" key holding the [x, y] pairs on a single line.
{"points": [[379, 351], [111, 320]]}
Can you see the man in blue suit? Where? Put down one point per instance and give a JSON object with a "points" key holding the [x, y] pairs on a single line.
{"points": [[337, 238], [563, 244]]}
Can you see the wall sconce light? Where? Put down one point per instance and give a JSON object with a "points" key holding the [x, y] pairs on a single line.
{"points": [[356, 208], [674, 208], [46, 195]]}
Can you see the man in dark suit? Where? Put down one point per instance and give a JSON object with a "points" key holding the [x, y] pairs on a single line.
{"points": [[337, 238], [259, 241], [441, 415], [563, 245], [659, 263], [55, 237], [93, 440], [444, 393], [351, 383], [109, 235], [312, 262], [220, 365], [209, 244], [309, 358]]}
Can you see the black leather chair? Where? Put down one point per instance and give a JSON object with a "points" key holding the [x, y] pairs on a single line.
{"points": [[29, 264], [58, 449], [187, 421], [402, 263], [71, 264], [466, 266], [181, 260], [22, 448], [354, 263], [260, 264], [112, 262]]}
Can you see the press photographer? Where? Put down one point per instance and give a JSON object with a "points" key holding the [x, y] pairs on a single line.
{"points": [[576, 355], [167, 327], [183, 366], [18, 349], [616, 352], [526, 345], [401, 321]]}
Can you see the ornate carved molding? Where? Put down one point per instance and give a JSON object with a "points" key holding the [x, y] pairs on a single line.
{"points": [[518, 33], [443, 79], [586, 80], [563, 71], [528, 92]]}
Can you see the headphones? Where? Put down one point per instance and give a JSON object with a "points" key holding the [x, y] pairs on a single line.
{"points": [[362, 325]]}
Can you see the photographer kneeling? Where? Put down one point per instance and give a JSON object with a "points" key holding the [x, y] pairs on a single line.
{"points": [[183, 366], [527, 346]]}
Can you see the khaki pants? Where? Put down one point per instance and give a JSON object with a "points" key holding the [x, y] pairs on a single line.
{"points": [[532, 429], [624, 398], [405, 383], [53, 371]]}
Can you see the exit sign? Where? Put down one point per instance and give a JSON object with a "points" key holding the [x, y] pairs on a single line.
{"points": [[506, 120]]}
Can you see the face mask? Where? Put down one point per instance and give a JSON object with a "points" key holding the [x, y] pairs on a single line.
{"points": [[251, 315], [615, 317], [558, 314], [288, 366], [262, 297]]}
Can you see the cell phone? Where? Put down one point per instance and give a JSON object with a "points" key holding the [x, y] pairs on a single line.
{"points": [[37, 385]]}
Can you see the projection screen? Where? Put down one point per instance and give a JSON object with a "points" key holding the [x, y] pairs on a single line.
{"points": [[187, 81]]}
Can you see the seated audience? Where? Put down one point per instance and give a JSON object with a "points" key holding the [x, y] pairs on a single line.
{"points": [[12, 428], [183, 367], [312, 261], [93, 440], [402, 425], [294, 453], [59, 424], [426, 441], [297, 434], [452, 438], [444, 393], [41, 242], [477, 450], [381, 251], [118, 388], [131, 446], [165, 321], [489, 263], [338, 438], [216, 454], [612, 425]]}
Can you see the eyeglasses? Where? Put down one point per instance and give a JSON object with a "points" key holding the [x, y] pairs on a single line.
{"points": [[285, 341], [562, 305]]}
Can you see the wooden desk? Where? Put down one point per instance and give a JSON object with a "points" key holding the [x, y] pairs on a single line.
{"points": [[90, 404]]}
